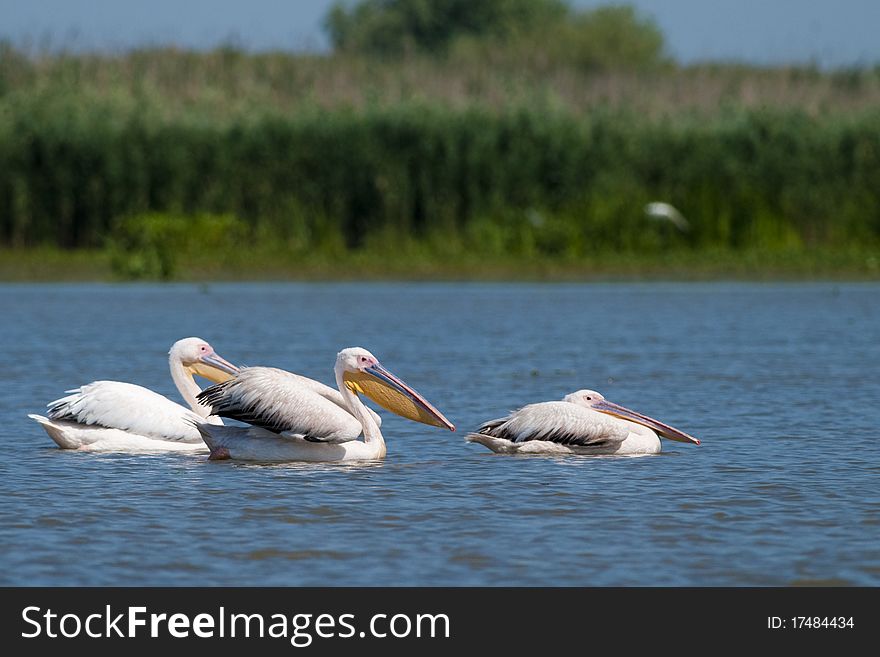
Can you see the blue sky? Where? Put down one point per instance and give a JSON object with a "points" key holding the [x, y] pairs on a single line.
{"points": [[829, 32]]}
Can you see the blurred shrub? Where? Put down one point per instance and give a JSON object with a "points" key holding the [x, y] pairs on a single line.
{"points": [[546, 33], [607, 38], [389, 27], [151, 245]]}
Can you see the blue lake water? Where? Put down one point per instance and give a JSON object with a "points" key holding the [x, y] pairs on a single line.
{"points": [[780, 381]]}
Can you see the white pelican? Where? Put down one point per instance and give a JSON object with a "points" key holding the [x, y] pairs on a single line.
{"points": [[116, 416], [293, 421], [583, 423]]}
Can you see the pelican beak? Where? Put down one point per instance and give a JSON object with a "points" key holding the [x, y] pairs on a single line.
{"points": [[605, 406], [214, 368], [391, 393]]}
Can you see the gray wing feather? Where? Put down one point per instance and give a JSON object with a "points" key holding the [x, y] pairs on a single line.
{"points": [[557, 422], [281, 402], [333, 395]]}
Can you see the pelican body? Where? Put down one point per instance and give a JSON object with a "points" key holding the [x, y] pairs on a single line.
{"points": [[584, 422], [295, 419], [117, 416]]}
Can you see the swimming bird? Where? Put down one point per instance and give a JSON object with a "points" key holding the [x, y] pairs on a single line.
{"points": [[117, 416], [292, 420], [584, 422]]}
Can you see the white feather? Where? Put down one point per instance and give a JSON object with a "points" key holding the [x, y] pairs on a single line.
{"points": [[111, 415], [564, 418], [298, 419], [285, 403], [256, 444], [333, 395], [72, 435], [129, 408], [541, 428]]}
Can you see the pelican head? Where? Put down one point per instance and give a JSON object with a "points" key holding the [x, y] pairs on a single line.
{"points": [[595, 401], [361, 372], [198, 357]]}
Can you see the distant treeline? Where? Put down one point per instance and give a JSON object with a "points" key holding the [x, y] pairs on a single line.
{"points": [[533, 180], [520, 31]]}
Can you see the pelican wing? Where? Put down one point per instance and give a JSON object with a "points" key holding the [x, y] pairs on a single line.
{"points": [[557, 422], [284, 403], [127, 407], [332, 394]]}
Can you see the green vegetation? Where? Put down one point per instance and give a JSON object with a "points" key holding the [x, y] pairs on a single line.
{"points": [[520, 32], [394, 27], [524, 142], [154, 245], [523, 183]]}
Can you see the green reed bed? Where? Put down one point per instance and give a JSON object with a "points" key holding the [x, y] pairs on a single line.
{"points": [[155, 159]]}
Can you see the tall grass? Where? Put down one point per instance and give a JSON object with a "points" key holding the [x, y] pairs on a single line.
{"points": [[231, 83], [336, 155]]}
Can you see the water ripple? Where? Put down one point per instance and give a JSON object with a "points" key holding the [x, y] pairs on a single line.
{"points": [[783, 491]]}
